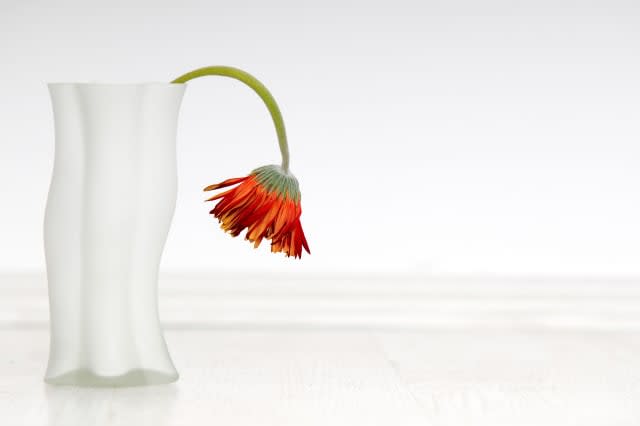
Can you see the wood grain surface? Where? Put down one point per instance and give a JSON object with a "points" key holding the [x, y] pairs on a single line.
{"points": [[292, 363]]}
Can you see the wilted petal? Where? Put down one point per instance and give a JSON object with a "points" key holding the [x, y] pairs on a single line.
{"points": [[225, 183]]}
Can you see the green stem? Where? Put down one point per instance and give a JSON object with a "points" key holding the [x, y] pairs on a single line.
{"points": [[257, 87]]}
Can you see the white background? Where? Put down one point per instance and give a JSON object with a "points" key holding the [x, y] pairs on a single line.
{"points": [[491, 138]]}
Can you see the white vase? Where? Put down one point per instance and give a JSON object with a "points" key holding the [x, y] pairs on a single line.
{"points": [[110, 206]]}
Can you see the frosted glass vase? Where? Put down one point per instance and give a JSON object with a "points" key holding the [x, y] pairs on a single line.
{"points": [[110, 206]]}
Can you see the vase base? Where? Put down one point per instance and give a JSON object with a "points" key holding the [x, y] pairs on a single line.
{"points": [[87, 378]]}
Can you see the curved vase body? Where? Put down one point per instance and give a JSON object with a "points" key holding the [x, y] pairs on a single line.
{"points": [[109, 210]]}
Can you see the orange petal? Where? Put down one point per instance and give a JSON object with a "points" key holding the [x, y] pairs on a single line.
{"points": [[225, 183]]}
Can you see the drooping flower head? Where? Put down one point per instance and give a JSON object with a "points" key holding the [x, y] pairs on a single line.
{"points": [[267, 204]]}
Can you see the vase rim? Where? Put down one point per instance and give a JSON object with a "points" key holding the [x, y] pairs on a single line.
{"points": [[110, 84]]}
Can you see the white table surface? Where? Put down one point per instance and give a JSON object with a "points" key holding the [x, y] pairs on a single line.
{"points": [[513, 369]]}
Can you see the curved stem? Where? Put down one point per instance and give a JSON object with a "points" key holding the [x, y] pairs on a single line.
{"points": [[257, 87]]}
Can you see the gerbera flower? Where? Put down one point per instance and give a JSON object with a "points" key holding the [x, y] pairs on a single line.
{"points": [[267, 204]]}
